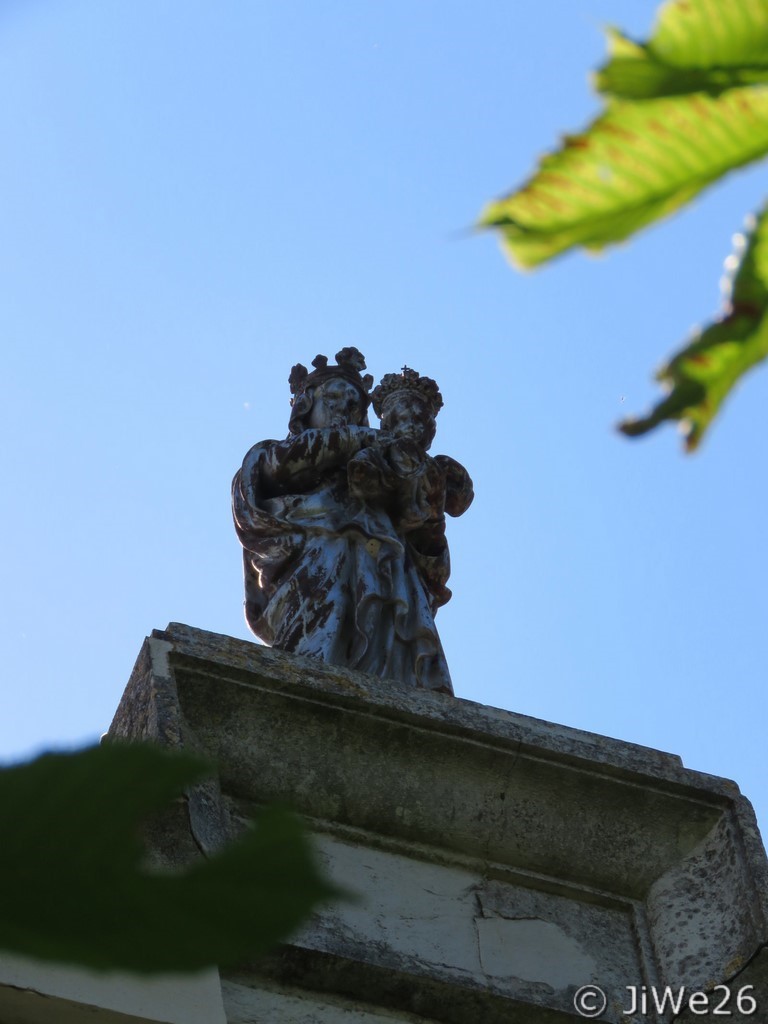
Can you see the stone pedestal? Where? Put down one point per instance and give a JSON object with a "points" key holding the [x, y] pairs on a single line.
{"points": [[32, 992], [502, 862]]}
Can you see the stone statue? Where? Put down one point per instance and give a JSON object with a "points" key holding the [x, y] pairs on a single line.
{"points": [[343, 525]]}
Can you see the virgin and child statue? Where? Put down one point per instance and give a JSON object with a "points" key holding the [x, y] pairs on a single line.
{"points": [[343, 524]]}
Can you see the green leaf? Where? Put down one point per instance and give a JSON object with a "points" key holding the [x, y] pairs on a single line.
{"points": [[711, 33], [682, 110], [636, 72], [75, 888], [697, 45], [634, 164], [700, 377]]}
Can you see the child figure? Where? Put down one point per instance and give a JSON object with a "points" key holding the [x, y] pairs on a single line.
{"points": [[413, 487]]}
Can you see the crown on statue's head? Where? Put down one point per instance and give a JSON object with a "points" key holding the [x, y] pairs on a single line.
{"points": [[349, 362], [407, 380]]}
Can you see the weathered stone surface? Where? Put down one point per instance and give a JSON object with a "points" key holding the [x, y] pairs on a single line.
{"points": [[32, 992], [268, 1003], [503, 862]]}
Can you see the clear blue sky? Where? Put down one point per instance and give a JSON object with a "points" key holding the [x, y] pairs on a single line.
{"points": [[195, 196]]}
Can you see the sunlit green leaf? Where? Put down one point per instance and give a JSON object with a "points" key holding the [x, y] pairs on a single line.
{"points": [[701, 376], [697, 45], [682, 110], [75, 888], [634, 164], [636, 72], [711, 33]]}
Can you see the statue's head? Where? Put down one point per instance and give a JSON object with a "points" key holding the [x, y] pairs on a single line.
{"points": [[407, 405], [330, 396]]}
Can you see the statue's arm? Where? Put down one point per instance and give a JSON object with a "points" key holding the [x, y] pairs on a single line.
{"points": [[299, 462], [459, 491], [371, 478]]}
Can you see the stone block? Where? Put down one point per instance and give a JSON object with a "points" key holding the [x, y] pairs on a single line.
{"points": [[502, 862], [34, 992]]}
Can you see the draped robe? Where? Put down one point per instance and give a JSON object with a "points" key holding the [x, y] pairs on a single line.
{"points": [[327, 574]]}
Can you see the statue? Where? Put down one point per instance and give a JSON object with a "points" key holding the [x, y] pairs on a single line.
{"points": [[343, 525]]}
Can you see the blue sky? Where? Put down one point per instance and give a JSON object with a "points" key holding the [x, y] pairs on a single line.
{"points": [[197, 196]]}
